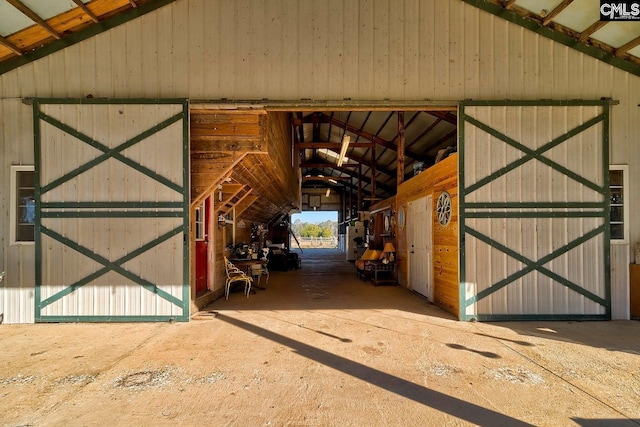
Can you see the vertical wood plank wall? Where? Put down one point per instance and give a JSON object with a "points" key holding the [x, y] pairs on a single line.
{"points": [[433, 181]]}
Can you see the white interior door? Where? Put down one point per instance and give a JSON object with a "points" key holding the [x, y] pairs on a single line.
{"points": [[420, 246]]}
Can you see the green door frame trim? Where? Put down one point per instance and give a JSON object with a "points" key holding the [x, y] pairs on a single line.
{"points": [[110, 266], [118, 209], [110, 152], [551, 210]]}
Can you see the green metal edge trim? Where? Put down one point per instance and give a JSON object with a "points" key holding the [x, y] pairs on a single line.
{"points": [[555, 214], [112, 214], [555, 35], [539, 102], [131, 255], [607, 211], [111, 152], [186, 199], [109, 101], [82, 35], [533, 154], [154, 289], [462, 272], [534, 205], [112, 205], [36, 191], [102, 319], [535, 266], [529, 317]]}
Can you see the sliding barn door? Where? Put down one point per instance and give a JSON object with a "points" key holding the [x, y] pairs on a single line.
{"points": [[534, 210], [112, 211]]}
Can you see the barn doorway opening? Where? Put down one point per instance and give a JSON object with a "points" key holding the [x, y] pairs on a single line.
{"points": [[315, 229]]}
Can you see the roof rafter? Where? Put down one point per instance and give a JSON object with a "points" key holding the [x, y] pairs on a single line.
{"points": [[558, 33], [628, 46], [555, 12], [13, 48], [592, 29], [34, 17], [86, 10]]}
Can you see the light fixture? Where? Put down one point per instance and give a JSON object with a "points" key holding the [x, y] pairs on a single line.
{"points": [[222, 221], [343, 150], [220, 192], [328, 192], [333, 181], [388, 250]]}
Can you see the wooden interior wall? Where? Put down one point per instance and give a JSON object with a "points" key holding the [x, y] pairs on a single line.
{"points": [[243, 234], [377, 235], [278, 133], [219, 140], [440, 177], [273, 178]]}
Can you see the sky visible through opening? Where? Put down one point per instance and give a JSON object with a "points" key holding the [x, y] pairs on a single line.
{"points": [[315, 217]]}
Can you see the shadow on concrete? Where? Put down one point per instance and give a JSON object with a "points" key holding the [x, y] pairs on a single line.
{"points": [[606, 422], [328, 281], [450, 405], [614, 335], [488, 354]]}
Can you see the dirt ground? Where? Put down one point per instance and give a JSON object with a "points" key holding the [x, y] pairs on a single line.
{"points": [[319, 347]]}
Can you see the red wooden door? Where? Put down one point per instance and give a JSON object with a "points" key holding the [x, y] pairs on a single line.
{"points": [[202, 243]]}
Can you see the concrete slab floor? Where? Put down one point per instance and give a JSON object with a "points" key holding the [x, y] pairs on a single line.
{"points": [[319, 347]]}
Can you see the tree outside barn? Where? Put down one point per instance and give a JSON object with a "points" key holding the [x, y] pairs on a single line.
{"points": [[316, 235]]}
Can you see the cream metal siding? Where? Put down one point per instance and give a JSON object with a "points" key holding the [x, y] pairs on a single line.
{"points": [[322, 50], [18, 261], [537, 231]]}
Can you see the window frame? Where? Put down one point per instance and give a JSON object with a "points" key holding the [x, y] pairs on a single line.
{"points": [[13, 205], [625, 204], [200, 222]]}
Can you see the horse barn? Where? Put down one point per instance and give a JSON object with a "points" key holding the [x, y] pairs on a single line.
{"points": [[493, 144]]}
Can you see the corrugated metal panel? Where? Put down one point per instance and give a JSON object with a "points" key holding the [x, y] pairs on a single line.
{"points": [[17, 288], [574, 174], [140, 153], [337, 49]]}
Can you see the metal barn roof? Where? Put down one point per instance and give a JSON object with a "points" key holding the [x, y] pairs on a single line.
{"points": [[30, 29]]}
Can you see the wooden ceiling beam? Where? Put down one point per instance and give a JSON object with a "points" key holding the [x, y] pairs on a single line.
{"points": [[373, 138], [556, 11], [34, 17], [13, 48], [628, 46], [319, 165], [346, 181], [245, 203], [445, 115], [367, 163], [86, 10], [509, 3], [325, 178], [448, 136], [330, 145], [592, 29]]}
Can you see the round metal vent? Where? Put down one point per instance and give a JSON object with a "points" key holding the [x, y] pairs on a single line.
{"points": [[444, 208]]}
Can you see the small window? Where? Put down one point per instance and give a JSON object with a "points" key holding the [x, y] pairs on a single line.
{"points": [[23, 204], [200, 222], [619, 210]]}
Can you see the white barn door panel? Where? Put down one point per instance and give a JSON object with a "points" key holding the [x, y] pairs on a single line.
{"points": [[111, 210], [534, 210]]}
